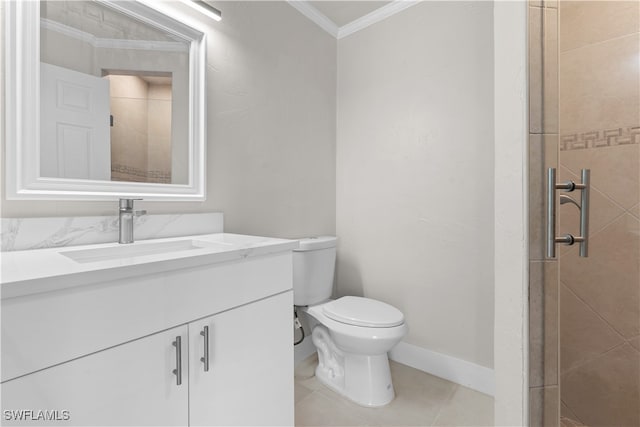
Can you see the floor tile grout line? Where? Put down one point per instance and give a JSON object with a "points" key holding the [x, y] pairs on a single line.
{"points": [[637, 205], [304, 398], [540, 387], [573, 413], [624, 339], [600, 356], [594, 311], [351, 415], [344, 403], [596, 233], [596, 188], [361, 420], [452, 393], [631, 345], [634, 34]]}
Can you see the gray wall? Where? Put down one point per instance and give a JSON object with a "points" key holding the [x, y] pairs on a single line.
{"points": [[415, 172], [271, 127]]}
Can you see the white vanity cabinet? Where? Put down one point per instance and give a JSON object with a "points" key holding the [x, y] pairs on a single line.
{"points": [[99, 343], [130, 384], [247, 382], [249, 355]]}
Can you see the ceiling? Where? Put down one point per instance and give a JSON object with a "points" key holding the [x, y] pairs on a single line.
{"points": [[101, 21], [344, 12]]}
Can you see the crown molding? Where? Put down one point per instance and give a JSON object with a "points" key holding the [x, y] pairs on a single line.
{"points": [[67, 30], [164, 46], [315, 15], [377, 15], [364, 21]]}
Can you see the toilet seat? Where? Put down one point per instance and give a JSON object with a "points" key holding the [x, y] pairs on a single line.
{"points": [[365, 312]]}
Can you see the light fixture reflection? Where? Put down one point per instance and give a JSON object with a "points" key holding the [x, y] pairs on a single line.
{"points": [[205, 8]]}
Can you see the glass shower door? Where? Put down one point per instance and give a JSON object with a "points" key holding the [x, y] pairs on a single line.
{"points": [[599, 129]]}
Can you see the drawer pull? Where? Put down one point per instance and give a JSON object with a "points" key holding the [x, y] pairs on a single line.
{"points": [[205, 359], [178, 371]]}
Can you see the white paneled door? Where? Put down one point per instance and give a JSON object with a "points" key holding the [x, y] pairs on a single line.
{"points": [[75, 124]]}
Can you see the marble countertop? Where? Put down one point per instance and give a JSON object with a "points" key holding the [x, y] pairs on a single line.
{"points": [[44, 270]]}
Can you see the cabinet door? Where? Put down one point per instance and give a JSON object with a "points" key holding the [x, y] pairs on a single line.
{"points": [[130, 384], [250, 376]]}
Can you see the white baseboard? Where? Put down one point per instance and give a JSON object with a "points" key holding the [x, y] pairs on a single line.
{"points": [[303, 350], [459, 371]]}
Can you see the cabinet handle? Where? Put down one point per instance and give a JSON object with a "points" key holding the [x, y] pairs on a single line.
{"points": [[178, 371], [205, 333]]}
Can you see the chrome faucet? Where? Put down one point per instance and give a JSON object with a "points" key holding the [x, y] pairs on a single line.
{"points": [[126, 220]]}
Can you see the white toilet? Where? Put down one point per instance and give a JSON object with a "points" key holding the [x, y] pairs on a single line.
{"points": [[352, 334]]}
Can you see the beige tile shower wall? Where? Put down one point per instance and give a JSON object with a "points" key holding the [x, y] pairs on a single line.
{"points": [[159, 131], [271, 127], [175, 64], [600, 130], [415, 114], [544, 395], [130, 130], [141, 132]]}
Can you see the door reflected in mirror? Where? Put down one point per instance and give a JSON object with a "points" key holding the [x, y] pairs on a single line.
{"points": [[114, 96]]}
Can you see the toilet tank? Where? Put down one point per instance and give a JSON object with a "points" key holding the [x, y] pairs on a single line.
{"points": [[313, 267]]}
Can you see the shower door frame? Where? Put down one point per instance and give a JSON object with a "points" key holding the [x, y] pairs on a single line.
{"points": [[511, 212]]}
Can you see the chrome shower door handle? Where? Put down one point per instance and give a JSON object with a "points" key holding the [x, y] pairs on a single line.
{"points": [[205, 359], [178, 371], [584, 213], [569, 186], [551, 213]]}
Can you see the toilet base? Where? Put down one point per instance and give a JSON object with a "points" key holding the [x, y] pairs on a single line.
{"points": [[364, 379]]}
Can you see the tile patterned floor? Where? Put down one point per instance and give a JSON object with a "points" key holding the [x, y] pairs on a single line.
{"points": [[421, 400], [568, 422]]}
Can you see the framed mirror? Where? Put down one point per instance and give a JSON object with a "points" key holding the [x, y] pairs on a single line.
{"points": [[104, 99]]}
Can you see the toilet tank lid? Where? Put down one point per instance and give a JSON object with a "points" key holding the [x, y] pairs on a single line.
{"points": [[360, 311], [314, 243]]}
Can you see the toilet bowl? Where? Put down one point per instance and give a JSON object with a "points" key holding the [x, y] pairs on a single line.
{"points": [[352, 349], [352, 334]]}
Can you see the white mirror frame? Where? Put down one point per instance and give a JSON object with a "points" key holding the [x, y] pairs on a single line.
{"points": [[22, 110]]}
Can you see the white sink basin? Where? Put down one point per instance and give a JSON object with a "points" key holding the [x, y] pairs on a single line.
{"points": [[136, 250]]}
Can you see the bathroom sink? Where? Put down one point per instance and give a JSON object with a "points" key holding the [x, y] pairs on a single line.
{"points": [[135, 250]]}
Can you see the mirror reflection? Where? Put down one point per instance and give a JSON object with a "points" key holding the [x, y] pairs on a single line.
{"points": [[114, 96]]}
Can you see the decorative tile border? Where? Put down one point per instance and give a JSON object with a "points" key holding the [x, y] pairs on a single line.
{"points": [[600, 138], [18, 234], [122, 172]]}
